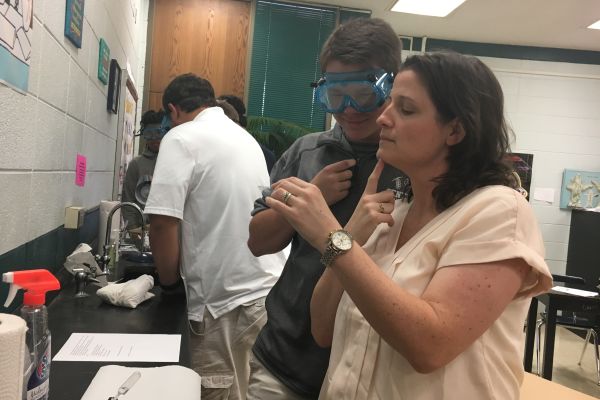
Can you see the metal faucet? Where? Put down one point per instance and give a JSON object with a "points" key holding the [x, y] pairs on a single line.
{"points": [[105, 258]]}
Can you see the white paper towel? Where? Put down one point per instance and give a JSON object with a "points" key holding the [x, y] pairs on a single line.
{"points": [[12, 356]]}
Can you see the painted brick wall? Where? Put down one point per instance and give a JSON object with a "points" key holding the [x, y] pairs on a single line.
{"points": [[62, 114], [554, 110]]}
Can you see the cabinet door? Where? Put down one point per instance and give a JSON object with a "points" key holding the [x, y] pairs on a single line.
{"points": [[206, 37]]}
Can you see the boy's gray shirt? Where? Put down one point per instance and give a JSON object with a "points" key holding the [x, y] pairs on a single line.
{"points": [[285, 344]]}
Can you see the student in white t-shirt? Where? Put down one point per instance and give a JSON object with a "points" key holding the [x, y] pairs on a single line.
{"points": [[208, 173]]}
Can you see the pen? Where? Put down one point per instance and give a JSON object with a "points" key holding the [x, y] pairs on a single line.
{"points": [[128, 384]]}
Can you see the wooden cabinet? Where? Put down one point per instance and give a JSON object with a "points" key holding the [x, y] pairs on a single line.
{"points": [[207, 37]]}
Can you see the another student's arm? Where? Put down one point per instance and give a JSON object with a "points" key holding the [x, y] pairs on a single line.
{"points": [[270, 232], [164, 241]]}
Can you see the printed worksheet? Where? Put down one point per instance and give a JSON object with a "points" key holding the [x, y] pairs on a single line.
{"points": [[120, 347]]}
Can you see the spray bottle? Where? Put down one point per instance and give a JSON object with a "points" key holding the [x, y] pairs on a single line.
{"points": [[36, 283]]}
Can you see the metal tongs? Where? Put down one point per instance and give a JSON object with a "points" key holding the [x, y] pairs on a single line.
{"points": [[128, 384]]}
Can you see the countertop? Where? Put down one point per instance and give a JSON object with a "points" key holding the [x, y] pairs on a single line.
{"points": [[67, 314]]}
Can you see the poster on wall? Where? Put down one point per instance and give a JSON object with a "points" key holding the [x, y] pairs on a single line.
{"points": [[580, 189], [128, 132], [74, 21], [523, 166], [114, 86], [16, 33], [103, 62]]}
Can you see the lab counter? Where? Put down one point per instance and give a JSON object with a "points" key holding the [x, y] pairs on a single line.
{"points": [[68, 314]]}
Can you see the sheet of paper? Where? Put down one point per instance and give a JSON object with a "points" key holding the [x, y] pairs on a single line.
{"points": [[576, 292], [544, 194], [120, 347], [169, 382]]}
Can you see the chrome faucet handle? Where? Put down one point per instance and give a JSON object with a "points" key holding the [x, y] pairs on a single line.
{"points": [[93, 270], [103, 259], [82, 278]]}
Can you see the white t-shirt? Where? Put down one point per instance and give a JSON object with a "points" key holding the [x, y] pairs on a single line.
{"points": [[491, 224], [208, 174]]}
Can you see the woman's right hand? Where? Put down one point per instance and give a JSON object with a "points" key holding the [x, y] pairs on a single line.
{"points": [[372, 209]]}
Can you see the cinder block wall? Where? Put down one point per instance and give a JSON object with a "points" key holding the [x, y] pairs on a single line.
{"points": [[554, 110], [62, 114]]}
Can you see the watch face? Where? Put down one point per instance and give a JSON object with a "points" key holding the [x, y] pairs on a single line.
{"points": [[341, 240]]}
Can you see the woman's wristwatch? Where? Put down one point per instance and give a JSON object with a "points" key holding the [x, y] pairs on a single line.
{"points": [[338, 242]]}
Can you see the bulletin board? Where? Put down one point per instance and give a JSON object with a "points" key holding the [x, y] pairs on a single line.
{"points": [[126, 133]]}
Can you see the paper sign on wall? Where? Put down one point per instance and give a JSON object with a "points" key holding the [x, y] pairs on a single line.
{"points": [[80, 170]]}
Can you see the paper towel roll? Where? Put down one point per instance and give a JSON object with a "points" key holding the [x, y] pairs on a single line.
{"points": [[12, 356]]}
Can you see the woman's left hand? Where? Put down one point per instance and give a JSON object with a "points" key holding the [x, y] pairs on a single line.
{"points": [[305, 209]]}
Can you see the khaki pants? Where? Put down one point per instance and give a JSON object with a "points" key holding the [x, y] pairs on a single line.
{"points": [[221, 349], [264, 386]]}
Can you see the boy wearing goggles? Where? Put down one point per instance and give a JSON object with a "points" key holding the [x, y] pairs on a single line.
{"points": [[358, 61], [136, 185]]}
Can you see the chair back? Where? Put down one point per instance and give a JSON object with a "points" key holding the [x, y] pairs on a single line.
{"points": [[569, 279]]}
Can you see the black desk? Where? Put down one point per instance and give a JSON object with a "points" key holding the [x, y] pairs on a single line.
{"points": [[67, 314], [554, 301]]}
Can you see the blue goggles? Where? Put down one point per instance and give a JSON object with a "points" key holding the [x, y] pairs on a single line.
{"points": [[153, 132], [364, 91]]}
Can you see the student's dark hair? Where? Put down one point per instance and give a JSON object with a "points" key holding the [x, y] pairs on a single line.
{"points": [[370, 41], [151, 117], [229, 110], [464, 88], [189, 92], [239, 106]]}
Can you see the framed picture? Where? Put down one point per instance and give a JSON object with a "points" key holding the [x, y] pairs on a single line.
{"points": [[74, 21], [103, 61], [126, 132], [580, 189], [523, 165], [16, 37], [114, 87]]}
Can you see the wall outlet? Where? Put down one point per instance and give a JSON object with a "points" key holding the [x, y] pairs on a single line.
{"points": [[74, 217]]}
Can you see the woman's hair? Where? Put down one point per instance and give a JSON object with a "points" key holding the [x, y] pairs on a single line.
{"points": [[370, 41], [464, 88]]}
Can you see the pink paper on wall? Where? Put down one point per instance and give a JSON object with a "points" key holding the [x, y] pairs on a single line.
{"points": [[80, 170]]}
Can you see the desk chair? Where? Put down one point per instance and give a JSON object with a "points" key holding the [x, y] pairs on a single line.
{"points": [[584, 323]]}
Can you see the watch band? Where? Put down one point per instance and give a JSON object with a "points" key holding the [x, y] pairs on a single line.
{"points": [[328, 255]]}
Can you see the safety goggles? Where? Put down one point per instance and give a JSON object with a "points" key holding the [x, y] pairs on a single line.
{"points": [[364, 91], [153, 132]]}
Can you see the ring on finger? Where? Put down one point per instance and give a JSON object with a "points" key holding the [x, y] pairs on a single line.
{"points": [[286, 197], [381, 209]]}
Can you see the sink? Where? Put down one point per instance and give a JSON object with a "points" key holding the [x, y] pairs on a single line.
{"points": [[133, 264]]}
